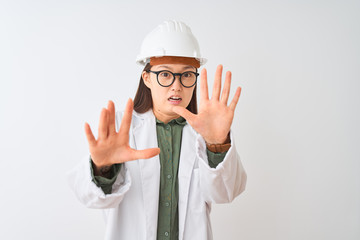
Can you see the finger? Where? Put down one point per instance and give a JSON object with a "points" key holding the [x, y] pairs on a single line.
{"points": [[144, 154], [226, 89], [189, 116], [89, 135], [111, 109], [235, 99], [126, 120], [204, 92], [217, 83], [103, 124]]}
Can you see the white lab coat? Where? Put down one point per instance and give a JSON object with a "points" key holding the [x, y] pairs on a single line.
{"points": [[131, 210]]}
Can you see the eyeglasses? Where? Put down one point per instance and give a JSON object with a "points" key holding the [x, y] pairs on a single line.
{"points": [[166, 78]]}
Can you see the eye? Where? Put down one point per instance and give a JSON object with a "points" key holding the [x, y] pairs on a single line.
{"points": [[187, 74], [165, 74]]}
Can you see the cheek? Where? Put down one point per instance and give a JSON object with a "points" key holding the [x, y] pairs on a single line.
{"points": [[158, 95], [189, 94]]}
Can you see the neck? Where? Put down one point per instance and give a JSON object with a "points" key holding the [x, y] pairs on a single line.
{"points": [[165, 118]]}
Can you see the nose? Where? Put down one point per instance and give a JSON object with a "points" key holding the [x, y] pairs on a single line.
{"points": [[176, 86]]}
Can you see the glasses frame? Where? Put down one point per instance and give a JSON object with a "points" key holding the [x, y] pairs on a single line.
{"points": [[174, 76]]}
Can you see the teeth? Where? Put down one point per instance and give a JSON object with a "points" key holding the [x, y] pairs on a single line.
{"points": [[175, 98]]}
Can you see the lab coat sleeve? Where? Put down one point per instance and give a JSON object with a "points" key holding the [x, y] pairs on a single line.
{"points": [[225, 182], [92, 196]]}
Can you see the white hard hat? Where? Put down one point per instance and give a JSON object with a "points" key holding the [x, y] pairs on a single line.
{"points": [[171, 38]]}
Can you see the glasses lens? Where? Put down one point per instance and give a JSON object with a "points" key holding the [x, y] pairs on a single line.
{"points": [[165, 78], [188, 79]]}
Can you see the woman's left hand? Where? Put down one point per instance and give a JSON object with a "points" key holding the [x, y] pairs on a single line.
{"points": [[214, 117]]}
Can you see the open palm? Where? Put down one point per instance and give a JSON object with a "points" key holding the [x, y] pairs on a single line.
{"points": [[113, 147], [215, 117]]}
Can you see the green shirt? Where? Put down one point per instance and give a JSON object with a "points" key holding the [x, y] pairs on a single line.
{"points": [[169, 141]]}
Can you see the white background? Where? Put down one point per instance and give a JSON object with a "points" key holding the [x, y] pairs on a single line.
{"points": [[296, 124]]}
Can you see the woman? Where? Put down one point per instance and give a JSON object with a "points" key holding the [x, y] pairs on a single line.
{"points": [[185, 160]]}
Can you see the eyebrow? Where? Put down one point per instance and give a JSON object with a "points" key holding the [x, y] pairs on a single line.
{"points": [[184, 68]]}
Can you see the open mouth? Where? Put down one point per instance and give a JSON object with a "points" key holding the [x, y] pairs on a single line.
{"points": [[175, 100]]}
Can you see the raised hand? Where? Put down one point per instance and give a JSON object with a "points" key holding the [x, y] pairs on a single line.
{"points": [[113, 147], [215, 117]]}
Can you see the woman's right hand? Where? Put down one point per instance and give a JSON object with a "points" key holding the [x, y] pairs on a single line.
{"points": [[113, 147]]}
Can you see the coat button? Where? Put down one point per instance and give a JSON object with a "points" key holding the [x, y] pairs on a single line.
{"points": [[169, 176], [166, 234]]}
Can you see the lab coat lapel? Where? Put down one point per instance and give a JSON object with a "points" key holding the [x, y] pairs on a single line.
{"points": [[186, 165], [146, 137]]}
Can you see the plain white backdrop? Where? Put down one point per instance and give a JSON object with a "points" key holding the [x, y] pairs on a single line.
{"points": [[296, 124]]}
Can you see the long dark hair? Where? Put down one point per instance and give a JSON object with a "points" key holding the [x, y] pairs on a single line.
{"points": [[143, 100]]}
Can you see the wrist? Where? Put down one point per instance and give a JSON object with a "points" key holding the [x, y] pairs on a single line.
{"points": [[101, 170], [218, 141], [221, 147]]}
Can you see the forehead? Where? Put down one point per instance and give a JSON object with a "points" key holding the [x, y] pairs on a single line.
{"points": [[174, 67]]}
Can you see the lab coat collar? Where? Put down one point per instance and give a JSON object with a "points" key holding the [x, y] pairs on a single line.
{"points": [[145, 137], [186, 166]]}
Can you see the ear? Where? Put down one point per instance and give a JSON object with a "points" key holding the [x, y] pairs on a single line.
{"points": [[146, 77]]}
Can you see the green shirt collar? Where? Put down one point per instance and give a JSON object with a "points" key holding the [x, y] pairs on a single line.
{"points": [[179, 121]]}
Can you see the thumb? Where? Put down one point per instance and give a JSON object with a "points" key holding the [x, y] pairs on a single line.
{"points": [[189, 116]]}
